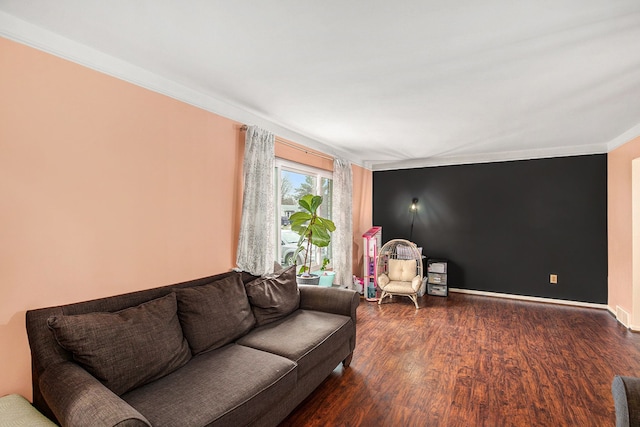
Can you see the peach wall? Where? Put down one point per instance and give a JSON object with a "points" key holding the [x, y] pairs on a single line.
{"points": [[362, 213], [619, 178], [297, 153], [105, 188]]}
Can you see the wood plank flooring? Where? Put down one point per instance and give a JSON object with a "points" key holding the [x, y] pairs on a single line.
{"points": [[476, 361]]}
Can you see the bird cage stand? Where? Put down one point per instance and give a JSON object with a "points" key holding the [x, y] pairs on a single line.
{"points": [[372, 241]]}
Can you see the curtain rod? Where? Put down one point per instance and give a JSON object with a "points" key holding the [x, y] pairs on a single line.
{"points": [[289, 144]]}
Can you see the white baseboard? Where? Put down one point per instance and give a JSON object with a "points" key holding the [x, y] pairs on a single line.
{"points": [[532, 299], [623, 317]]}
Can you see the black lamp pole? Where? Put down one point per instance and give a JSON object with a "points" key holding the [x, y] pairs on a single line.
{"points": [[414, 209]]}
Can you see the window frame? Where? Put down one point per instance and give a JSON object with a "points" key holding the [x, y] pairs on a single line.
{"points": [[291, 166]]}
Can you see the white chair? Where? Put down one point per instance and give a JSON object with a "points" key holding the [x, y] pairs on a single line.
{"points": [[399, 267]]}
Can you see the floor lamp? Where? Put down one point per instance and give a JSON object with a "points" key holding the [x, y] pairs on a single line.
{"points": [[414, 209]]}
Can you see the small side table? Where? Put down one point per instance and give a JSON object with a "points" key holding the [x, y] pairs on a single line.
{"points": [[16, 411]]}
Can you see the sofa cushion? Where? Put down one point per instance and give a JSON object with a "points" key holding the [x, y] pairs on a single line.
{"points": [[214, 314], [274, 296], [127, 348], [306, 337], [229, 386]]}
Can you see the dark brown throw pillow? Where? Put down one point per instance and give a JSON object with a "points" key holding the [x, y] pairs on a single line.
{"points": [[274, 296], [128, 348], [214, 314]]}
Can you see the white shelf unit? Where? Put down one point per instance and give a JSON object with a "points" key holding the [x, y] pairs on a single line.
{"points": [[372, 242]]}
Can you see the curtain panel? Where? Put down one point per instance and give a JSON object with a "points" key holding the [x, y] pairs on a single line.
{"points": [[256, 244], [342, 238]]}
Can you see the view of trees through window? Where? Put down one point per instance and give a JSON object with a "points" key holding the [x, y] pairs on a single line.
{"points": [[294, 181]]}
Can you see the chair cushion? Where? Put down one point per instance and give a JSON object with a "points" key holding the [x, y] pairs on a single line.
{"points": [[230, 386], [273, 297], [127, 348], [402, 270], [214, 314], [403, 288], [16, 411], [305, 336]]}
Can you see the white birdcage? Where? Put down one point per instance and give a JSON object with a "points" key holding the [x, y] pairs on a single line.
{"points": [[399, 270]]}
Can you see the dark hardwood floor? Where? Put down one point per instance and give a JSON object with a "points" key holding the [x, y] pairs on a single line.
{"points": [[476, 361]]}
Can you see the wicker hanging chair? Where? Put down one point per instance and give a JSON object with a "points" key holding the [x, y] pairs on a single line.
{"points": [[399, 268]]}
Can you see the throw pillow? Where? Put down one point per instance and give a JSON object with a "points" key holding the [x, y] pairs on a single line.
{"points": [[128, 348], [214, 314], [273, 297]]}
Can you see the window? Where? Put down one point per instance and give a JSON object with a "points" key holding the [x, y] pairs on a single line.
{"points": [[294, 181]]}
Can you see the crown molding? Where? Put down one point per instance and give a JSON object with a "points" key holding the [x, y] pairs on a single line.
{"points": [[31, 35], [505, 156], [622, 139]]}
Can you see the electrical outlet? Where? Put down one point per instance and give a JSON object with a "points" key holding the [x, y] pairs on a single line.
{"points": [[553, 279]]}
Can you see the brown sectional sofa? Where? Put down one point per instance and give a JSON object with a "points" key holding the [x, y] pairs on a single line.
{"points": [[230, 349]]}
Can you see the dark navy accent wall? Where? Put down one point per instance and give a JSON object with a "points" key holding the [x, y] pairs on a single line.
{"points": [[504, 227]]}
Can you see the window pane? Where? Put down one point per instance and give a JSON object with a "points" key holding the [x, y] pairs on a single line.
{"points": [[292, 186], [301, 184]]}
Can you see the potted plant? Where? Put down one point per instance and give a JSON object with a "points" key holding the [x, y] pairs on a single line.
{"points": [[326, 276], [313, 231]]}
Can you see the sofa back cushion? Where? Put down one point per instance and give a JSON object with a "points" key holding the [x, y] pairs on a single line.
{"points": [[45, 349], [214, 314], [127, 348], [274, 296]]}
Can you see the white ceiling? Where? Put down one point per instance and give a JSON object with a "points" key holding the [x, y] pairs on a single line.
{"points": [[387, 84]]}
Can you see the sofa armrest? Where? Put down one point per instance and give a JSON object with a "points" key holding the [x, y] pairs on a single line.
{"points": [[330, 300], [79, 399], [626, 397]]}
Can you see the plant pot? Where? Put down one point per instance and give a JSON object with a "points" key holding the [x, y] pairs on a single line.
{"points": [[309, 280], [326, 278]]}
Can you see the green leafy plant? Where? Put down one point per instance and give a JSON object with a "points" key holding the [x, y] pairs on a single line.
{"points": [[325, 263], [312, 229]]}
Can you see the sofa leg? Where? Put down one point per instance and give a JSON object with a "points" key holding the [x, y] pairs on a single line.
{"points": [[346, 362]]}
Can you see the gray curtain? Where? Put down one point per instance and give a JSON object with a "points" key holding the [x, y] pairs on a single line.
{"points": [[256, 245], [342, 238]]}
